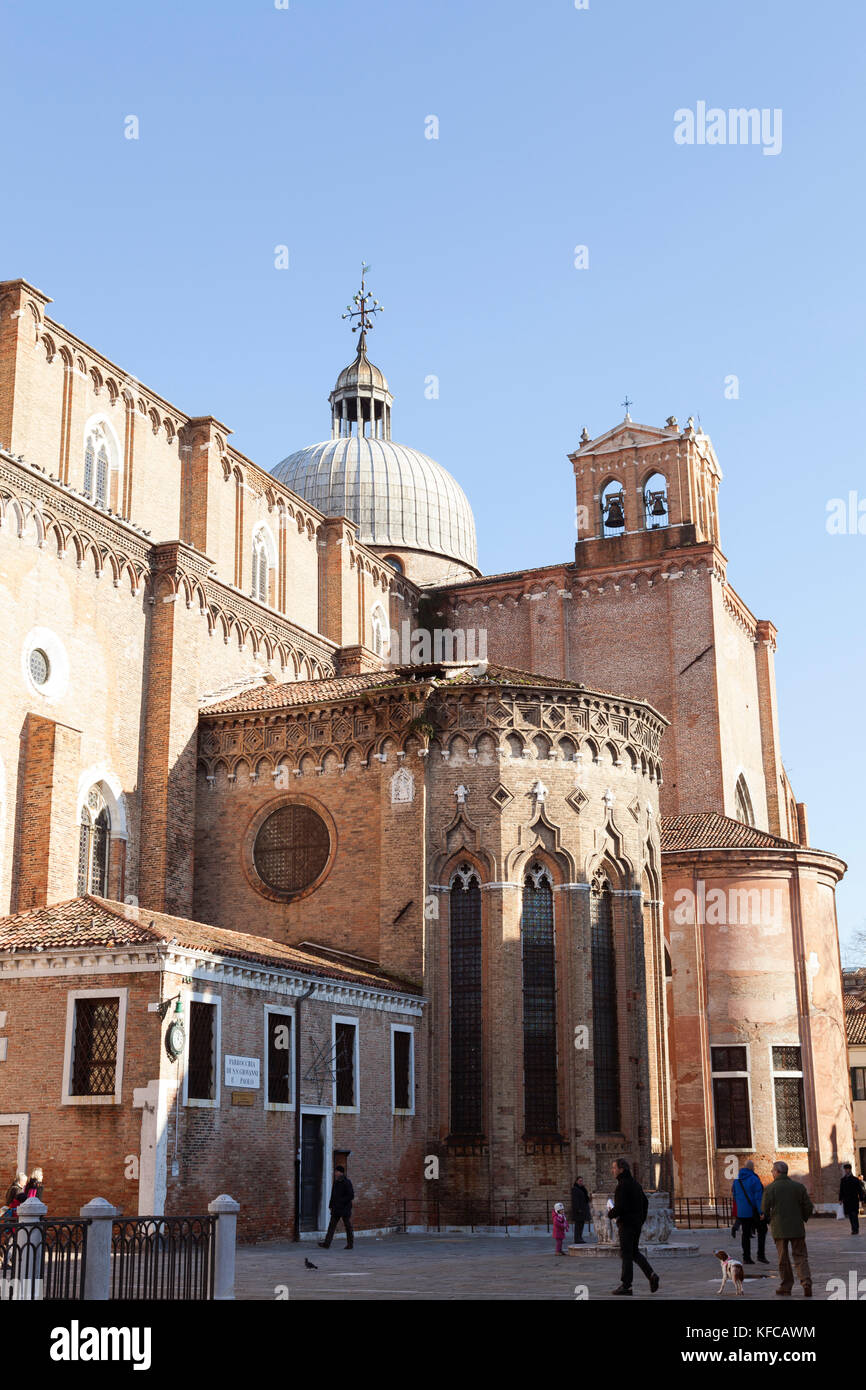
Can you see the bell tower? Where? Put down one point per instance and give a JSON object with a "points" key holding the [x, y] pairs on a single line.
{"points": [[643, 490]]}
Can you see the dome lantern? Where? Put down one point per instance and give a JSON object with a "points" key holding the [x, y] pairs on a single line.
{"points": [[361, 401]]}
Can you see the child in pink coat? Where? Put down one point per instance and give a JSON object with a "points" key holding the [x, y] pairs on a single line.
{"points": [[560, 1227]]}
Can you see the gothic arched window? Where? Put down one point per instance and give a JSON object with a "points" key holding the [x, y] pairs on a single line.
{"points": [[262, 565], [467, 1095], [541, 1113], [380, 631], [743, 802], [94, 841], [605, 1040]]}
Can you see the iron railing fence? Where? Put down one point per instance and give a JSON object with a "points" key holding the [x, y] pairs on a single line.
{"points": [[43, 1259], [163, 1257], [703, 1212], [436, 1213]]}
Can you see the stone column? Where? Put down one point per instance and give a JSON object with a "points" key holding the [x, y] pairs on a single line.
{"points": [[29, 1240], [226, 1209], [97, 1274]]}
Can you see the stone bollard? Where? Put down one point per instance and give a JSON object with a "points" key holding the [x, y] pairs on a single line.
{"points": [[226, 1209], [97, 1271], [30, 1251]]}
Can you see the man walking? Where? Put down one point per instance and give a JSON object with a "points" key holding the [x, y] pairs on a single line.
{"points": [[851, 1194], [748, 1193], [787, 1207], [579, 1209], [340, 1206], [629, 1211]]}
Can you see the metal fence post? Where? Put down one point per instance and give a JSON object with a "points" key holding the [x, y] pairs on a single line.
{"points": [[31, 1252], [226, 1210], [97, 1270]]}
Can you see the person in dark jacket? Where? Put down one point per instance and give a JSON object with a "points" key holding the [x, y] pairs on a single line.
{"points": [[748, 1192], [851, 1194], [579, 1209], [629, 1211], [787, 1206], [340, 1206]]}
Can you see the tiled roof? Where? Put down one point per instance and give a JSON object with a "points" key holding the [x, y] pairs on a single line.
{"points": [[89, 921], [709, 830], [855, 1021], [287, 694], [283, 694]]}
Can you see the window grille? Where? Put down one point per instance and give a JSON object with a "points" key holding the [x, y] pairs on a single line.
{"points": [[279, 1059], [789, 1097], [729, 1059], [539, 1006], [467, 1106], [858, 1083], [291, 848], [402, 1043], [605, 1039], [731, 1100], [790, 1112], [84, 853], [200, 1064], [344, 1063], [89, 461], [94, 1058]]}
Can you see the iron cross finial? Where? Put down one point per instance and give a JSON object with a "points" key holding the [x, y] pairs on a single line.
{"points": [[627, 403], [363, 306]]}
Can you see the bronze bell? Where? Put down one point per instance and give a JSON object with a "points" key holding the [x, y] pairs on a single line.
{"points": [[614, 517], [658, 507]]}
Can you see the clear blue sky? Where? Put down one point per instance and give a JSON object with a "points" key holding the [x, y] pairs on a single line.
{"points": [[261, 127]]}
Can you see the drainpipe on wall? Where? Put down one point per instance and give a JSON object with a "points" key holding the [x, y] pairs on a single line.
{"points": [[296, 1222]]}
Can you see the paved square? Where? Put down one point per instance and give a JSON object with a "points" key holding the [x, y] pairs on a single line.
{"points": [[524, 1267]]}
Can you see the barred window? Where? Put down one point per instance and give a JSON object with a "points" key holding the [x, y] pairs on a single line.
{"points": [[279, 1043], [789, 1097], [858, 1083], [467, 1104], [201, 1068], [345, 1087], [731, 1097], [401, 1069], [539, 1005], [291, 848], [89, 463], [605, 1039], [94, 1054]]}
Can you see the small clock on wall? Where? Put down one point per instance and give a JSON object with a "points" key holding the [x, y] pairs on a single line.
{"points": [[175, 1038]]}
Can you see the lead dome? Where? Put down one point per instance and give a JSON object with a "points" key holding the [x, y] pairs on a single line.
{"points": [[404, 503]]}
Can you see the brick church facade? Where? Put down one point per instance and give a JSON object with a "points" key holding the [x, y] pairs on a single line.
{"points": [[552, 873]]}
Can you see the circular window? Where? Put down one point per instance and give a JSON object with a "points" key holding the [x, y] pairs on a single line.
{"points": [[40, 666], [291, 849]]}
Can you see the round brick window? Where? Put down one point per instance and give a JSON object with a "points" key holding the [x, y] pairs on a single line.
{"points": [[292, 848]]}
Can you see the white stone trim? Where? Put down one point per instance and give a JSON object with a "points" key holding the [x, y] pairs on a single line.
{"points": [[99, 775], [403, 1028], [22, 1120], [198, 965], [203, 997], [327, 1163], [67, 1098], [354, 1109]]}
